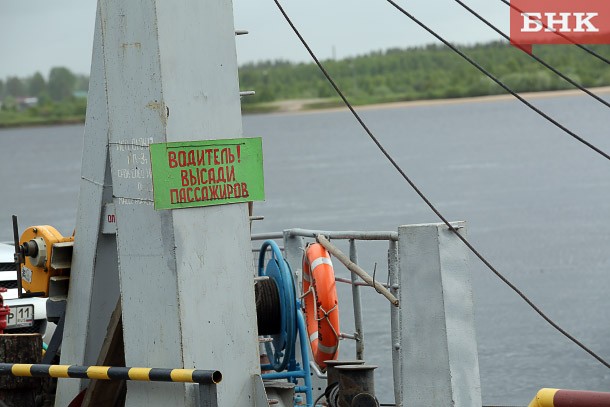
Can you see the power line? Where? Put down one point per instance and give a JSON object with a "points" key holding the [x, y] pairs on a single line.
{"points": [[499, 82], [425, 198], [565, 37], [541, 61]]}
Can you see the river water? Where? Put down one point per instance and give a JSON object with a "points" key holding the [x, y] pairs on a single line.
{"points": [[537, 205]]}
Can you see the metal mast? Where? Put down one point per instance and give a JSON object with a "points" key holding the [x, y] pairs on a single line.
{"points": [[162, 71]]}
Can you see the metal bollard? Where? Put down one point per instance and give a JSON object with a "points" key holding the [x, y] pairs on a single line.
{"points": [[332, 376], [332, 379], [357, 386]]}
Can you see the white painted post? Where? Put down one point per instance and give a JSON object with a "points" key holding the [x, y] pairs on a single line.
{"points": [[186, 276], [438, 360]]}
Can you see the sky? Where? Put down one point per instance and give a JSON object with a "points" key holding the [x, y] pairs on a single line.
{"points": [[36, 35]]}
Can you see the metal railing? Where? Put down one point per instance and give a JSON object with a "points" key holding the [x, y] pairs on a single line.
{"points": [[293, 247], [427, 269]]}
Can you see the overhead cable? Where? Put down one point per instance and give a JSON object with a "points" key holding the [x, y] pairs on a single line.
{"points": [[535, 57], [562, 35], [499, 82], [425, 198]]}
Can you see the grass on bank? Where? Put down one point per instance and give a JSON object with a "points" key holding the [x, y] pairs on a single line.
{"points": [[397, 75], [66, 112]]}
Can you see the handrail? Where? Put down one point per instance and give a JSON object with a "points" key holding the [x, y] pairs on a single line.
{"points": [[111, 373], [343, 235], [295, 240], [353, 267]]}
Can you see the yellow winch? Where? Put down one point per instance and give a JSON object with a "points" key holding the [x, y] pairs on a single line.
{"points": [[45, 254]]}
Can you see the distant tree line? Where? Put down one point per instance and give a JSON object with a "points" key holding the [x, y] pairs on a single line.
{"points": [[61, 98], [61, 86], [428, 72]]}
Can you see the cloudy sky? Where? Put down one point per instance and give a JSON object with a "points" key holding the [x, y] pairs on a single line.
{"points": [[36, 35]]}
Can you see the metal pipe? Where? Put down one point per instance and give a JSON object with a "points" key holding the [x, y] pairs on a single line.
{"points": [[358, 283], [303, 341], [357, 303], [258, 249], [316, 370], [394, 277], [112, 373], [343, 335], [356, 269], [341, 235], [345, 235], [266, 236], [574, 398], [286, 374]]}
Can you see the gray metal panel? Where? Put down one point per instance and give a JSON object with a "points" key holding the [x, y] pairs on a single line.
{"points": [[147, 269], [213, 250], [186, 275], [163, 71], [439, 362], [459, 313], [216, 291], [93, 261]]}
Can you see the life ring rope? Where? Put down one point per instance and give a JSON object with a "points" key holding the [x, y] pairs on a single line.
{"points": [[326, 313]]}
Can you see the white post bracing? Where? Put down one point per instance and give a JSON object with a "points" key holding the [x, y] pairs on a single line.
{"points": [[438, 360], [163, 71]]}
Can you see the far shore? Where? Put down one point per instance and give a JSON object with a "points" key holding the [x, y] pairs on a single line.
{"points": [[307, 106], [300, 106]]}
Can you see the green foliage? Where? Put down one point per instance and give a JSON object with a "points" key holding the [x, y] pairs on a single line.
{"points": [[9, 104], [36, 85], [429, 72], [15, 87], [56, 101], [82, 83], [72, 111], [61, 84]]}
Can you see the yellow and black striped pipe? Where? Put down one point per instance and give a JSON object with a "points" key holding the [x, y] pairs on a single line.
{"points": [[112, 373]]}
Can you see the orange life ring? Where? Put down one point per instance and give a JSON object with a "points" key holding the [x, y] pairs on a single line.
{"points": [[320, 304]]}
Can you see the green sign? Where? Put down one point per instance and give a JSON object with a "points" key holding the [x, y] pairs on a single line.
{"points": [[202, 173]]}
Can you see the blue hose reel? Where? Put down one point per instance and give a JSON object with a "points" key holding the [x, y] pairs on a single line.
{"points": [[281, 348]]}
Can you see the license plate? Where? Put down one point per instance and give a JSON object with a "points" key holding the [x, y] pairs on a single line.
{"points": [[20, 316]]}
